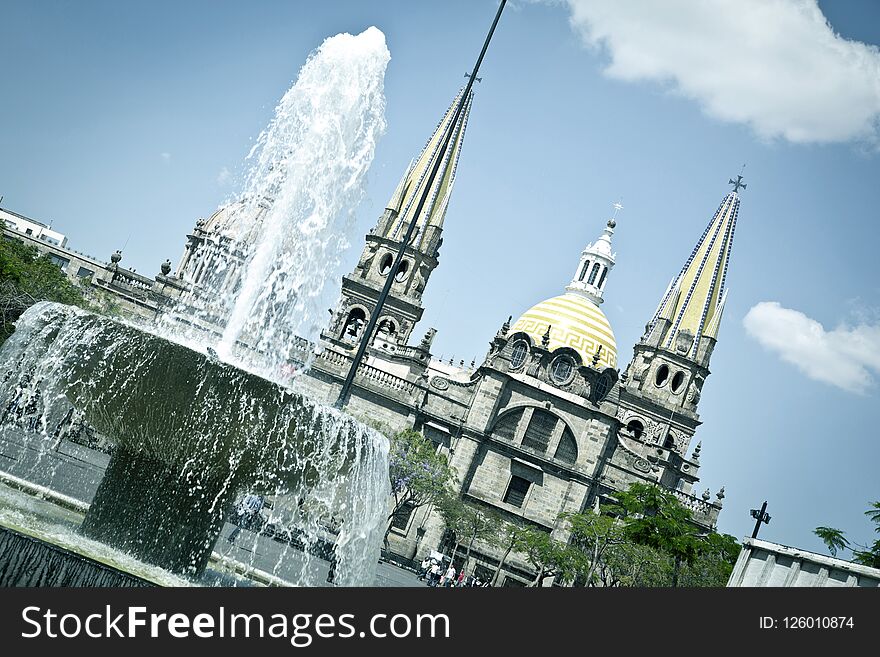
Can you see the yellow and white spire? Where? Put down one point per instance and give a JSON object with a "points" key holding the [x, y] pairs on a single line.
{"points": [[694, 301], [405, 198]]}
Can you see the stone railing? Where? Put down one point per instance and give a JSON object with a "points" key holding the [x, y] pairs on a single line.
{"points": [[695, 504], [374, 374], [368, 373]]}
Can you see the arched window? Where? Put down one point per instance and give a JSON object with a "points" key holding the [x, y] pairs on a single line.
{"points": [[518, 354], [602, 278], [567, 450], [662, 375], [387, 326], [584, 270], [593, 274], [354, 324], [561, 369], [540, 429], [669, 443], [603, 386], [401, 271], [677, 380], [637, 428], [506, 425], [385, 264]]}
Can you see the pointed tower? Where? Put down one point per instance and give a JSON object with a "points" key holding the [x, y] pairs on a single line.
{"points": [[664, 381], [361, 288]]}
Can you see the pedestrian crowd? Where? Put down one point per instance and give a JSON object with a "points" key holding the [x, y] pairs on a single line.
{"points": [[435, 573]]}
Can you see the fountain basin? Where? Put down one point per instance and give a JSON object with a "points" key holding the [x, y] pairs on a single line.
{"points": [[189, 433]]}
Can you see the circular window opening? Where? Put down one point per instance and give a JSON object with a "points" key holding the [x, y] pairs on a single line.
{"points": [[385, 264], [662, 375], [518, 354], [677, 381], [401, 271], [637, 428], [561, 369]]}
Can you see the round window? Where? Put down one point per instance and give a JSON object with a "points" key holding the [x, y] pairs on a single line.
{"points": [[518, 354], [561, 369], [662, 375], [677, 381]]}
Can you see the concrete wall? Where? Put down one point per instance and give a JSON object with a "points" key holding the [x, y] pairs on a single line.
{"points": [[762, 563]]}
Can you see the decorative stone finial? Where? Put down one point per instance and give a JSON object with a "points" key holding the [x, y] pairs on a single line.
{"points": [[720, 494], [428, 340], [473, 362], [505, 327], [597, 355], [696, 454], [545, 340], [166, 268], [116, 257], [706, 495]]}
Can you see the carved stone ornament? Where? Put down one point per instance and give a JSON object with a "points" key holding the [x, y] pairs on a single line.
{"points": [[440, 383], [683, 342]]}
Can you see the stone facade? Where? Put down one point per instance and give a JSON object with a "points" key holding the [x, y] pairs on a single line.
{"points": [[543, 425]]}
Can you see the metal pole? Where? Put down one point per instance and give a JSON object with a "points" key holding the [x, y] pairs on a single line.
{"points": [[383, 295]]}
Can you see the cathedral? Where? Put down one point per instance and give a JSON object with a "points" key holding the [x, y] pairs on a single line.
{"points": [[547, 423]]}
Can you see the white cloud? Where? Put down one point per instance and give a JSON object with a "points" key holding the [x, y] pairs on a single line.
{"points": [[224, 177], [166, 157], [847, 357], [775, 65]]}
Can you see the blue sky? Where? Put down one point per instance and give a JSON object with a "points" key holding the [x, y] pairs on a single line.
{"points": [[122, 123]]}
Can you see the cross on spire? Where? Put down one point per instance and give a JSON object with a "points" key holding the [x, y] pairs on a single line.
{"points": [[738, 183]]}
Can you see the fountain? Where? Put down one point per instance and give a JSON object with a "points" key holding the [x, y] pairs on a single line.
{"points": [[200, 408]]}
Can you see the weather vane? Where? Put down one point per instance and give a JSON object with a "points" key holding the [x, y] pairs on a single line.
{"points": [[738, 183], [617, 208]]}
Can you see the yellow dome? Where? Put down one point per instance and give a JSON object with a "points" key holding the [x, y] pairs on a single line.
{"points": [[575, 322]]}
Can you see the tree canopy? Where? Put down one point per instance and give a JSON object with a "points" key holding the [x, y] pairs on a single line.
{"points": [[836, 541], [27, 277]]}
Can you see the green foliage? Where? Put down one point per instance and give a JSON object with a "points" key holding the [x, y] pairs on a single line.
{"points": [[469, 523], [834, 539], [27, 277], [419, 473], [866, 555], [654, 517]]}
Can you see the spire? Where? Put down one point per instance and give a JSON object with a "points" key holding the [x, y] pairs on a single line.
{"points": [[405, 198], [596, 261], [694, 301]]}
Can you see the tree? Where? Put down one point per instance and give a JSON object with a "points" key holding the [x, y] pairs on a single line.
{"points": [[715, 559], [468, 523], [593, 535], [419, 474], [511, 536], [27, 277], [866, 555], [654, 517], [551, 558], [834, 539]]}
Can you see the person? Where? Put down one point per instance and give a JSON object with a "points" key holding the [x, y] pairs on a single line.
{"points": [[460, 581], [247, 514], [434, 577], [425, 566], [450, 576]]}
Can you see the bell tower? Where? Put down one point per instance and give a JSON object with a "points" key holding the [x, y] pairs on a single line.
{"points": [[361, 288], [663, 383]]}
